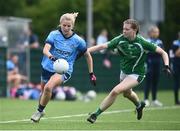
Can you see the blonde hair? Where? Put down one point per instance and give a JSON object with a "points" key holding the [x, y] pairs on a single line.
{"points": [[152, 28], [69, 16]]}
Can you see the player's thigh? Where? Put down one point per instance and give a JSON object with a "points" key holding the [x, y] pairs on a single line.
{"points": [[126, 85], [13, 77], [54, 81]]}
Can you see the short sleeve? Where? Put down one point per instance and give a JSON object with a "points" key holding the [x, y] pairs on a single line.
{"points": [[50, 39], [82, 45], [148, 46], [113, 43], [10, 65]]}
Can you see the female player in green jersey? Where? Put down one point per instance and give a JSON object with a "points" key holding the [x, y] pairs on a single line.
{"points": [[132, 49]]}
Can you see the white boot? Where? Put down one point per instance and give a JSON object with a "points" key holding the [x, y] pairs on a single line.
{"points": [[156, 103], [37, 116], [147, 103]]}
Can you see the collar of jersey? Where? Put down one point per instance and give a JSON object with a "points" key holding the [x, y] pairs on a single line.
{"points": [[65, 36], [131, 41]]}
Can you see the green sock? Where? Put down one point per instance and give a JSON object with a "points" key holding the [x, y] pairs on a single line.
{"points": [[98, 112]]}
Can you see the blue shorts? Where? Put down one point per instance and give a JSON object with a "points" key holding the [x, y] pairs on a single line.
{"points": [[46, 75]]}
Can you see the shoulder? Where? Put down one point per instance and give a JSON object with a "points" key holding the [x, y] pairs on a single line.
{"points": [[78, 38], [118, 38], [114, 42], [159, 41], [149, 39], [121, 36], [176, 42], [51, 37], [143, 40], [155, 41], [140, 37], [54, 32]]}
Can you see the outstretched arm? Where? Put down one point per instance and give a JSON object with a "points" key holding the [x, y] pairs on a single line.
{"points": [[165, 58], [164, 55], [98, 47], [90, 67], [89, 61]]}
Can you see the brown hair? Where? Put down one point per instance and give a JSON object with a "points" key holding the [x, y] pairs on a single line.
{"points": [[134, 24]]}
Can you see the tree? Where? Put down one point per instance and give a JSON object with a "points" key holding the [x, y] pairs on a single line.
{"points": [[10, 7], [107, 14], [171, 25]]}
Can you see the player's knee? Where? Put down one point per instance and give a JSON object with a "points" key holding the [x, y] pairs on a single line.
{"points": [[47, 89], [114, 93], [127, 94]]}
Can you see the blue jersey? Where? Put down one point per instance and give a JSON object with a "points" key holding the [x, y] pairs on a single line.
{"points": [[175, 47], [10, 65], [155, 56], [62, 47], [156, 42]]}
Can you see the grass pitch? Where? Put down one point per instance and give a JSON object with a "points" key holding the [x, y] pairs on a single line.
{"points": [[63, 115]]}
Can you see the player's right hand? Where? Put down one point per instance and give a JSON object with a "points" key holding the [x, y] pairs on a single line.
{"points": [[52, 58], [167, 70], [92, 78]]}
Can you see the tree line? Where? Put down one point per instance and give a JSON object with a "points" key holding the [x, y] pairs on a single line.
{"points": [[107, 14]]}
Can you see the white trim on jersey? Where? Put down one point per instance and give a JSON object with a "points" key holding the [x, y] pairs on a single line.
{"points": [[142, 51]]}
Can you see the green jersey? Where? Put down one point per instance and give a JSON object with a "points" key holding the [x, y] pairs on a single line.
{"points": [[132, 53]]}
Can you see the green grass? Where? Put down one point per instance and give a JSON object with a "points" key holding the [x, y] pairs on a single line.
{"points": [[57, 112]]}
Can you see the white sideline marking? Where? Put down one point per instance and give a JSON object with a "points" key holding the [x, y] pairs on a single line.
{"points": [[80, 115], [122, 121]]}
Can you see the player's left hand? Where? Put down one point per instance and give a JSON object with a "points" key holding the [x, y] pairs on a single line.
{"points": [[167, 70], [92, 78]]}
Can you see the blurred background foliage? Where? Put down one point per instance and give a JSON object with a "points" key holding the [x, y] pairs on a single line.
{"points": [[107, 14]]}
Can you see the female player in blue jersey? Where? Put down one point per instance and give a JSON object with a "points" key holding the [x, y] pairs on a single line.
{"points": [[154, 64], [62, 43]]}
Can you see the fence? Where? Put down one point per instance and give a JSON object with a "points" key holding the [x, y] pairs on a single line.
{"points": [[3, 74], [106, 78]]}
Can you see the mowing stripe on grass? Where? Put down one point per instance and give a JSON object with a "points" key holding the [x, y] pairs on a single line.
{"points": [[123, 121], [80, 115]]}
